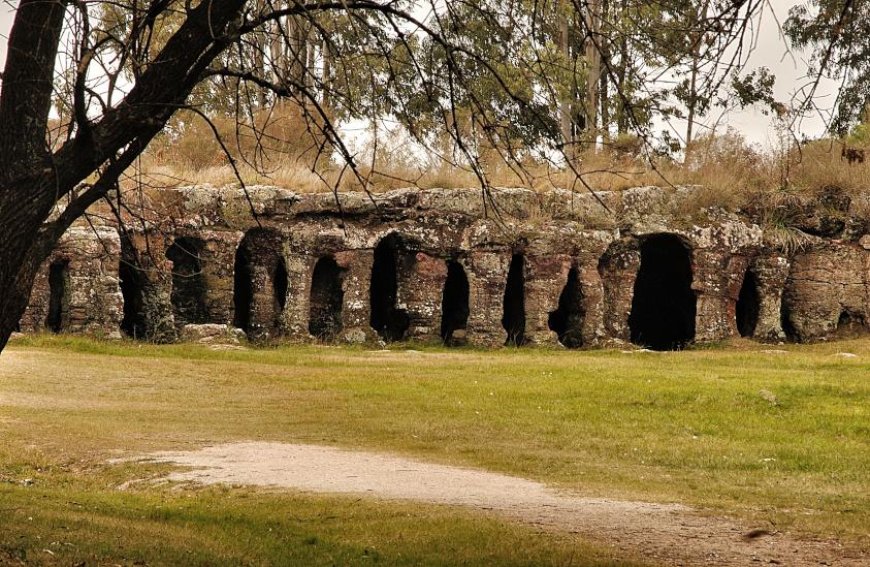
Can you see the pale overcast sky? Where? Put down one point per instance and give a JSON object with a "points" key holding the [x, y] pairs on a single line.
{"points": [[770, 51]]}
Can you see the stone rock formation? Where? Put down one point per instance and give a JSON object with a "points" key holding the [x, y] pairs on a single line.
{"points": [[510, 267]]}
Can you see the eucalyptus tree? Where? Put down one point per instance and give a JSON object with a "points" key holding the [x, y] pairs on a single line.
{"points": [[835, 32]]}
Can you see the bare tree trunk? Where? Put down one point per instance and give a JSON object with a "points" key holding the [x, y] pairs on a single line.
{"points": [[566, 121], [326, 78], [622, 121], [593, 66], [697, 42]]}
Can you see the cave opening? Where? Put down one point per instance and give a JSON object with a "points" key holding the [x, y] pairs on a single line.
{"points": [[514, 304], [132, 283], [663, 307], [327, 299], [188, 282], [748, 305], [57, 318], [850, 325], [567, 320], [243, 289], [390, 322], [454, 304]]}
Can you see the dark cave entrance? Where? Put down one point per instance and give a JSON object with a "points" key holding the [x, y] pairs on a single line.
{"points": [[567, 320], [132, 283], [454, 302], [188, 281], [57, 319], [390, 322], [748, 305], [243, 289], [514, 305], [850, 325], [327, 300], [663, 308]]}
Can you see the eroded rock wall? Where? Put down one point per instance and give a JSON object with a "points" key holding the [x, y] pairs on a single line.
{"points": [[514, 266]]}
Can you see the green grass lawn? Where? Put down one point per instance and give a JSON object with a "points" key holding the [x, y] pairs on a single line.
{"points": [[780, 439]]}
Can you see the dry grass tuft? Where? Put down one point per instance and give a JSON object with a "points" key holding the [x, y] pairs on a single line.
{"points": [[281, 149]]}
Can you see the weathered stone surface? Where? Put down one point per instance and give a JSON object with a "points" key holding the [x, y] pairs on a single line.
{"points": [[211, 333], [201, 257], [827, 292]]}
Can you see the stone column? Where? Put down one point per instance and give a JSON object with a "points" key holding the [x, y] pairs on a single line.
{"points": [[487, 276], [421, 284], [300, 268], [356, 313], [156, 273], [592, 288], [716, 280], [618, 268], [546, 277], [771, 272], [217, 260], [263, 305]]}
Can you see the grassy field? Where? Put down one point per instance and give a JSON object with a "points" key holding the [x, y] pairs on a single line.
{"points": [[780, 438]]}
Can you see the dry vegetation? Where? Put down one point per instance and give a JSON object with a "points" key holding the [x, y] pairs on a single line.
{"points": [[282, 150]]}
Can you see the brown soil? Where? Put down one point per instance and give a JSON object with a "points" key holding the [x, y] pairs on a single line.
{"points": [[662, 533]]}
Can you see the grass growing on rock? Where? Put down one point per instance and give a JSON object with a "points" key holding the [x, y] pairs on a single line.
{"points": [[779, 436]]}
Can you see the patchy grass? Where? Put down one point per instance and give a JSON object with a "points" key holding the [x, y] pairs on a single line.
{"points": [[780, 438], [78, 524]]}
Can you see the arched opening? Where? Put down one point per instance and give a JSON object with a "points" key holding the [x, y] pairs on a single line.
{"points": [[188, 282], [454, 304], [748, 305], [850, 325], [57, 319], [514, 305], [663, 307], [132, 285], [567, 320], [243, 289], [327, 300], [260, 284], [390, 322]]}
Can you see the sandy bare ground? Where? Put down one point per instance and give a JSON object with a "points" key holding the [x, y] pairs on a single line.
{"points": [[664, 533]]}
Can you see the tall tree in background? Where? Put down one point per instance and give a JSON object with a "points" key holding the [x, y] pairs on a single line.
{"points": [[836, 31]]}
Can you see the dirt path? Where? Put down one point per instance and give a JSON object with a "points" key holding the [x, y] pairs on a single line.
{"points": [[670, 534]]}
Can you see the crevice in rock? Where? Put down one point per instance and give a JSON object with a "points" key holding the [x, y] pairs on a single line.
{"points": [[785, 319], [514, 304], [280, 285], [567, 320], [454, 304], [390, 322], [748, 305], [327, 300], [57, 319], [664, 304]]}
